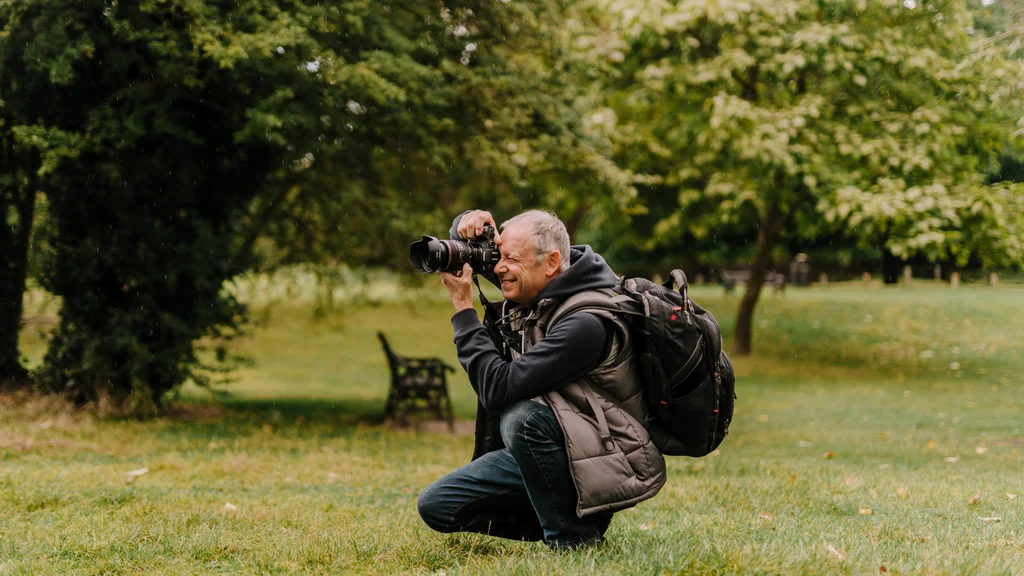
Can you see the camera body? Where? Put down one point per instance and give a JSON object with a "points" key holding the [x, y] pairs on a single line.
{"points": [[434, 255]]}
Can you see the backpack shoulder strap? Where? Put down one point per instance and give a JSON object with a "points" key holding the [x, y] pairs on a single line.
{"points": [[606, 300]]}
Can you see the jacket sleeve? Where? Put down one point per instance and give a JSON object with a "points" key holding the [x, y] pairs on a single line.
{"points": [[573, 347]]}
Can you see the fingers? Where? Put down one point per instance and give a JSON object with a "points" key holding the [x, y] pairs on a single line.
{"points": [[482, 219], [472, 224], [449, 278]]}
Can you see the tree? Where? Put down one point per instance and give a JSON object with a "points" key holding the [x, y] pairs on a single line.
{"points": [[155, 124], [17, 206], [172, 136], [443, 109], [767, 119]]}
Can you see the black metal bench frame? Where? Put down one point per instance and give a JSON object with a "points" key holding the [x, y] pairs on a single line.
{"points": [[730, 278], [417, 384]]}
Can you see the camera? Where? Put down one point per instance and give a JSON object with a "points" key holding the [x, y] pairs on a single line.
{"points": [[433, 255]]}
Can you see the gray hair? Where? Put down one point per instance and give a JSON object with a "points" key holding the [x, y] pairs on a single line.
{"points": [[547, 234]]}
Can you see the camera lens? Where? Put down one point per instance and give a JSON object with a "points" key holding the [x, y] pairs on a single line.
{"points": [[432, 255], [429, 254]]}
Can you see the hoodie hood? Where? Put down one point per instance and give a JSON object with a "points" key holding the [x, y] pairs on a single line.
{"points": [[587, 271]]}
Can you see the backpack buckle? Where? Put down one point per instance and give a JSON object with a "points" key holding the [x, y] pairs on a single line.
{"points": [[608, 444]]}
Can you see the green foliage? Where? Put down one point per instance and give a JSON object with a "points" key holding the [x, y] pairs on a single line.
{"points": [[868, 119], [782, 122], [154, 124], [431, 110], [181, 142]]}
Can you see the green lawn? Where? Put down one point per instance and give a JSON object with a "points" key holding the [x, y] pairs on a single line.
{"points": [[867, 423]]}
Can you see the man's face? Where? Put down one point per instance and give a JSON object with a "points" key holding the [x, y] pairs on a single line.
{"points": [[522, 275]]}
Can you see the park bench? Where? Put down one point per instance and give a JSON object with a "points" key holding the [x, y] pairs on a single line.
{"points": [[417, 384], [730, 278]]}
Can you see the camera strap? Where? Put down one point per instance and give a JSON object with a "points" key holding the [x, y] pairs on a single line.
{"points": [[483, 299], [500, 325]]}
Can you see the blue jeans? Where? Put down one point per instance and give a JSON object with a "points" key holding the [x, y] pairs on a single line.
{"points": [[522, 492]]}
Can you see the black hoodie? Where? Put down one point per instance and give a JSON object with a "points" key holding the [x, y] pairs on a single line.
{"points": [[573, 347]]}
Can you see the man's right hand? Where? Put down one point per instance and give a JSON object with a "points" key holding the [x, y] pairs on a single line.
{"points": [[472, 223]]}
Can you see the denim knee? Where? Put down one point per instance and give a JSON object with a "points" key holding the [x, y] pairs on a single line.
{"points": [[429, 504], [513, 421], [543, 424]]}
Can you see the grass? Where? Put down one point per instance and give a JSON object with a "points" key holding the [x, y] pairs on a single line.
{"points": [[843, 411]]}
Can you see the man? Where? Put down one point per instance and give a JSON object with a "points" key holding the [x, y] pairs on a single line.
{"points": [[560, 441]]}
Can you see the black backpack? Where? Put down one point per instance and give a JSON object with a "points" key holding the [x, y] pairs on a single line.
{"points": [[688, 379]]}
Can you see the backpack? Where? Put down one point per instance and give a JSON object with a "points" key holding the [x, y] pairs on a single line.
{"points": [[688, 379]]}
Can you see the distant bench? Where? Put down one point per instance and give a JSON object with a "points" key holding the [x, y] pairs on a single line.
{"points": [[730, 278], [417, 384]]}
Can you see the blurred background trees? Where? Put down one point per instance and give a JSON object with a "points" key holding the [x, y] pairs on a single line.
{"points": [[152, 151], [864, 121]]}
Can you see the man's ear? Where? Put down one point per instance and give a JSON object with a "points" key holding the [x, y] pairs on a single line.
{"points": [[552, 263]]}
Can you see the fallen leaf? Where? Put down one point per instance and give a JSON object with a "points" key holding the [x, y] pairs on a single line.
{"points": [[885, 436], [1011, 496], [980, 450], [805, 444], [852, 481], [766, 516], [923, 538], [931, 445], [229, 507], [976, 499], [829, 455], [792, 478], [835, 552], [649, 526], [901, 492], [865, 512], [883, 569], [992, 519], [952, 459], [135, 474]]}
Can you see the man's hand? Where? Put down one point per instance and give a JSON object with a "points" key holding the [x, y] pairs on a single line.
{"points": [[460, 285], [472, 223]]}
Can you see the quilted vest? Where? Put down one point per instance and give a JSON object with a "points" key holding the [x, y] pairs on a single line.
{"points": [[613, 462]]}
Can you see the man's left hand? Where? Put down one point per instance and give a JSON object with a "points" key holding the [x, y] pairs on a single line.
{"points": [[460, 287]]}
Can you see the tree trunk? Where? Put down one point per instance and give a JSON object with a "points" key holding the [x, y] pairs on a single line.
{"points": [[766, 236], [575, 220], [14, 247], [892, 267]]}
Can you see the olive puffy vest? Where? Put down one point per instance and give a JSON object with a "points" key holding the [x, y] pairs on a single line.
{"points": [[613, 462]]}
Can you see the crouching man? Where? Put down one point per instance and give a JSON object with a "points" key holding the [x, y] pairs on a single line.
{"points": [[560, 440]]}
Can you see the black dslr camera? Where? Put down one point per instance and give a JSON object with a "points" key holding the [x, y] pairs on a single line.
{"points": [[433, 255]]}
